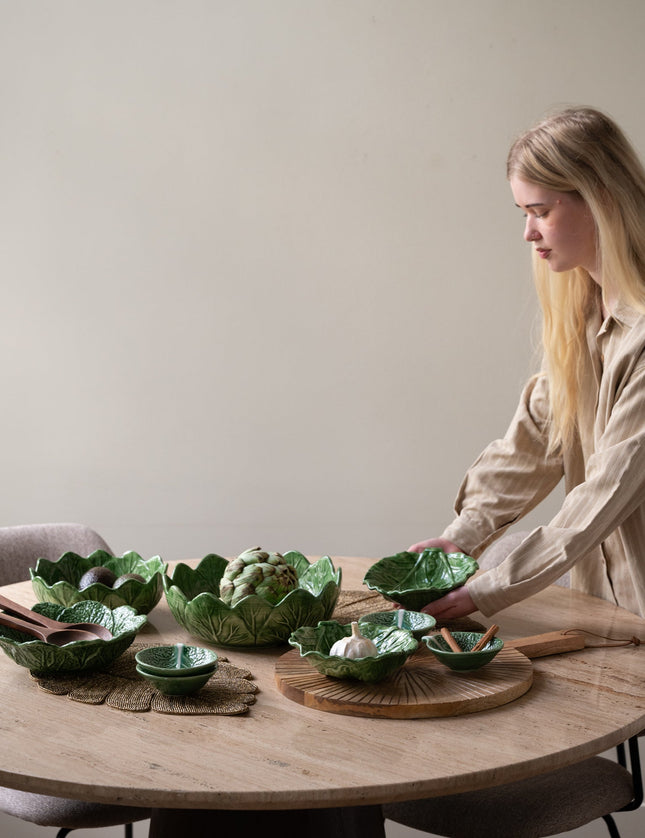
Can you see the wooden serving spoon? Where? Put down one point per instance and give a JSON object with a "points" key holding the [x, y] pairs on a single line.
{"points": [[55, 636], [30, 616]]}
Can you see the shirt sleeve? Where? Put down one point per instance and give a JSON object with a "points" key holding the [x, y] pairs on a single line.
{"points": [[613, 488], [512, 475]]}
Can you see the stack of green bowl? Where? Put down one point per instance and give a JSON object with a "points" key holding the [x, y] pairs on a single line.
{"points": [[178, 669]]}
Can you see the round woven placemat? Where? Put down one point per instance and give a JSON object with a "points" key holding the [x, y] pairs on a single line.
{"points": [[228, 693]]}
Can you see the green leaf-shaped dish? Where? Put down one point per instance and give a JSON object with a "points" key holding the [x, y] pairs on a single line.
{"points": [[416, 622], [394, 647], [58, 581], [415, 579], [82, 655], [193, 597]]}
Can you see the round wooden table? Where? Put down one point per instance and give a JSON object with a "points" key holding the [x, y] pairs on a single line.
{"points": [[282, 755]]}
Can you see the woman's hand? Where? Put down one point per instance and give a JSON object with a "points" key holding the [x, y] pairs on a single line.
{"points": [[457, 603], [433, 544]]}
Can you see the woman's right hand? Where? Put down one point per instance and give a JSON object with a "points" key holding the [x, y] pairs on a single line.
{"points": [[433, 544]]}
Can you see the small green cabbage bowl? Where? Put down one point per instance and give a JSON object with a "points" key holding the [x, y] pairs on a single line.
{"points": [[177, 661], [58, 581], [186, 685], [415, 579], [82, 655], [466, 659], [416, 622], [314, 642], [193, 598]]}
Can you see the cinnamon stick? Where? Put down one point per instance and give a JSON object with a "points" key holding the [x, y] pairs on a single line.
{"points": [[450, 640], [484, 640]]}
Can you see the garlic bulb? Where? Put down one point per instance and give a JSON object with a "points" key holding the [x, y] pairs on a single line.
{"points": [[354, 646]]}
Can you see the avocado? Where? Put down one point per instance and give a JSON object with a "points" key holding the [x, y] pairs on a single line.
{"points": [[127, 576], [97, 574]]}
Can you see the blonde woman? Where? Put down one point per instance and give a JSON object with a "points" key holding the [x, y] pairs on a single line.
{"points": [[581, 188]]}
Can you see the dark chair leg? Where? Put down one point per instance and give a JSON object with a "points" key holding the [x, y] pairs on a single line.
{"points": [[636, 770], [64, 831], [611, 826]]}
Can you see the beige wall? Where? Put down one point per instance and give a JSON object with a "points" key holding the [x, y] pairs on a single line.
{"points": [[263, 281]]}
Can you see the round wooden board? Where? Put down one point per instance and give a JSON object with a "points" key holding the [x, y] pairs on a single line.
{"points": [[420, 689]]}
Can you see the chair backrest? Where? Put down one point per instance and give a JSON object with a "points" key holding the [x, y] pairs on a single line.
{"points": [[21, 546]]}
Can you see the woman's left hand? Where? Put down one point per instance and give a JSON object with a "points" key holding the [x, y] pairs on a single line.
{"points": [[457, 603]]}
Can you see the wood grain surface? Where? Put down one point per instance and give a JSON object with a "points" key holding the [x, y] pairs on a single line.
{"points": [[423, 688]]}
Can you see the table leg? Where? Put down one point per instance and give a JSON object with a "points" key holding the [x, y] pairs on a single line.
{"points": [[345, 822]]}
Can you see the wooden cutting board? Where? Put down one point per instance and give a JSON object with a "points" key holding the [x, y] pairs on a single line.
{"points": [[422, 688]]}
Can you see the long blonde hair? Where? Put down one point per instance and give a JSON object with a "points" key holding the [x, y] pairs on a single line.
{"points": [[582, 150]]}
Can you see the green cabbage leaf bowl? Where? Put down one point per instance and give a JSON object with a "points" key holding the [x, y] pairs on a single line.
{"points": [[416, 622], [58, 581], [193, 598], [394, 647], [415, 579], [82, 655]]}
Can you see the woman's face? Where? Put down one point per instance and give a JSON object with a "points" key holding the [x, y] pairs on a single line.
{"points": [[560, 227]]}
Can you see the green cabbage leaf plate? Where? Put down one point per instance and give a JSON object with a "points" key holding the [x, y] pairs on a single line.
{"points": [[415, 579]]}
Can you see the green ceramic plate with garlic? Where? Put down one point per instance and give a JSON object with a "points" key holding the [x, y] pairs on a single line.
{"points": [[335, 649]]}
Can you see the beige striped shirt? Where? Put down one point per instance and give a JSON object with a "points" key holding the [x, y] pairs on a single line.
{"points": [[599, 532]]}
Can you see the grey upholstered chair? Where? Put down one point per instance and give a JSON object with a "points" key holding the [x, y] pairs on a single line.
{"points": [[550, 804], [20, 547]]}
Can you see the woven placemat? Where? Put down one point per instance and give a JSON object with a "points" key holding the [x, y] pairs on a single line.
{"points": [[352, 605], [228, 693]]}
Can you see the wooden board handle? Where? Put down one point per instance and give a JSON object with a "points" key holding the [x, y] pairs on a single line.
{"points": [[550, 643]]}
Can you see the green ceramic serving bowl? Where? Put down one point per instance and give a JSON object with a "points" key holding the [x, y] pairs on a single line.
{"points": [[415, 579], [466, 659], [314, 642], [416, 622], [82, 655], [58, 581], [193, 597], [175, 662]]}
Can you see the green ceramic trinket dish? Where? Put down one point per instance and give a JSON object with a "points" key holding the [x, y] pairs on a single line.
{"points": [[416, 622], [193, 597], [314, 643], [82, 655], [415, 579], [60, 581], [176, 661], [467, 659]]}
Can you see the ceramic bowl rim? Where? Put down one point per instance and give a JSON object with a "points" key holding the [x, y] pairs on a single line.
{"points": [[428, 619], [497, 643]]}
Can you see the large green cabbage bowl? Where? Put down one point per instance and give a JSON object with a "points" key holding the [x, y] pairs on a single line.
{"points": [[415, 579], [82, 655], [394, 647], [58, 581], [193, 597]]}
